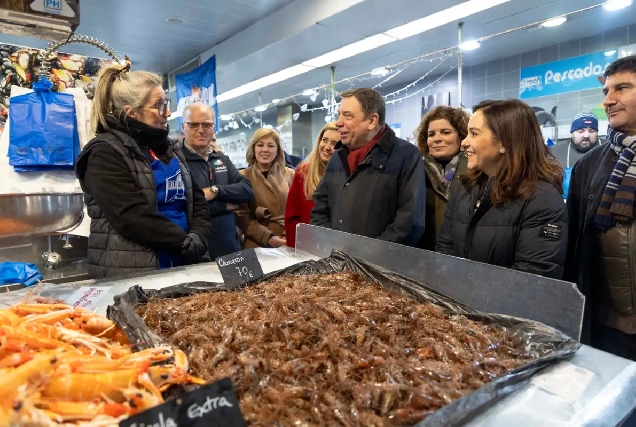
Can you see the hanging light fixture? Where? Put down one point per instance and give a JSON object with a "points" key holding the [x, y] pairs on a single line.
{"points": [[554, 22], [613, 5], [470, 45]]}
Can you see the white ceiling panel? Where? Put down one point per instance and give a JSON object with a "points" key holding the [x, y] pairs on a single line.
{"points": [[139, 28], [255, 38], [502, 18]]}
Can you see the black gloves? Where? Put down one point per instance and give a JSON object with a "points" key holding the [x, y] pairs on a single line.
{"points": [[193, 249]]}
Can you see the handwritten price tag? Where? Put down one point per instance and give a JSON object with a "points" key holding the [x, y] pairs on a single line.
{"points": [[240, 268], [87, 296]]}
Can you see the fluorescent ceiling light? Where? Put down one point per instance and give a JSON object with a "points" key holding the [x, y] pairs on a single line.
{"points": [[443, 17], [225, 117], [257, 84], [554, 22], [260, 108], [380, 71], [470, 45], [616, 4], [610, 52], [418, 26], [275, 101], [309, 92], [350, 50]]}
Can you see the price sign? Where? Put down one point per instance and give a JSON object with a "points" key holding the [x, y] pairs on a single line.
{"points": [[240, 268], [210, 406]]}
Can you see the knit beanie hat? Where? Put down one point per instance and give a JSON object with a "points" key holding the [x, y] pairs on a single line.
{"points": [[584, 120]]}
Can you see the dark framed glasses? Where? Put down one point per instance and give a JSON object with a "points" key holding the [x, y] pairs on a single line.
{"points": [[204, 125], [161, 107]]}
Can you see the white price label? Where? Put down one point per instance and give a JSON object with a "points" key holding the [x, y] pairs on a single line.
{"points": [[565, 380], [87, 296]]}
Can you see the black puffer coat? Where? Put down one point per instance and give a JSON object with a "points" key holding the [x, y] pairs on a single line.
{"points": [[527, 235]]}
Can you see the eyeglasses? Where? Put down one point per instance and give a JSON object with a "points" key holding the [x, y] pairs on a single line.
{"points": [[161, 107], [195, 125]]}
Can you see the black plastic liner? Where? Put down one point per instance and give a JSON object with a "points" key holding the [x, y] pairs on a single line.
{"points": [[548, 342]]}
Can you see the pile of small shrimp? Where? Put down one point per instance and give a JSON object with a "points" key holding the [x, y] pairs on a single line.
{"points": [[61, 365], [333, 350]]}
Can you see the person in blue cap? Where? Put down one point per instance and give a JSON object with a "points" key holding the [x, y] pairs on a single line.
{"points": [[584, 137]]}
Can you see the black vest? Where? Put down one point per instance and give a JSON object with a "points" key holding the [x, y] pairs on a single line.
{"points": [[110, 254]]}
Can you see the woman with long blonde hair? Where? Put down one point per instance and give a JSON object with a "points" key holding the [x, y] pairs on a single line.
{"points": [[262, 220], [308, 174], [146, 212]]}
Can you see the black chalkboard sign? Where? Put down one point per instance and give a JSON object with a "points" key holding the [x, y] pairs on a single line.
{"points": [[209, 406], [240, 268]]}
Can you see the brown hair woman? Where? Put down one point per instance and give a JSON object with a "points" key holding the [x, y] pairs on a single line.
{"points": [[509, 210], [439, 139]]}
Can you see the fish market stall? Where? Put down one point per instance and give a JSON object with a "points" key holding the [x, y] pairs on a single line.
{"points": [[590, 388]]}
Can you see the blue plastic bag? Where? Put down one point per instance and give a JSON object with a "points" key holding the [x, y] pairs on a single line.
{"points": [[43, 130], [567, 174], [19, 272]]}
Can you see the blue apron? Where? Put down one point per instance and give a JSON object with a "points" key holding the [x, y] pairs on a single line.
{"points": [[566, 182], [171, 202]]}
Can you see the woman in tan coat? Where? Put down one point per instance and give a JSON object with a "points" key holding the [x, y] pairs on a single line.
{"points": [[262, 220], [439, 137]]}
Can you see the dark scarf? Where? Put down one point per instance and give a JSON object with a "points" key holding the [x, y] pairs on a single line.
{"points": [[445, 173], [152, 138], [617, 202]]}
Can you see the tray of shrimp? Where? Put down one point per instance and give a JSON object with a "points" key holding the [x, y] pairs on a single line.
{"points": [[66, 366], [339, 341]]}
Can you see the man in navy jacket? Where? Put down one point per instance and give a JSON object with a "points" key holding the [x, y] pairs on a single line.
{"points": [[224, 187], [374, 184]]}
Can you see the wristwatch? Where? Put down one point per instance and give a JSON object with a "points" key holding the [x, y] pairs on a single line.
{"points": [[215, 190]]}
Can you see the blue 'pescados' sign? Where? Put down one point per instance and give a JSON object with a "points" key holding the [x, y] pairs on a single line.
{"points": [[566, 75]]}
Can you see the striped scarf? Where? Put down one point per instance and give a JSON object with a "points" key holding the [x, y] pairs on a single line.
{"points": [[617, 203]]}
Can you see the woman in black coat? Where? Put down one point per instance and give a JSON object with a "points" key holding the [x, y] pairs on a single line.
{"points": [[509, 210]]}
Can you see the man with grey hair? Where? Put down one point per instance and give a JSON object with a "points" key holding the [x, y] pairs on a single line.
{"points": [[374, 184], [224, 187]]}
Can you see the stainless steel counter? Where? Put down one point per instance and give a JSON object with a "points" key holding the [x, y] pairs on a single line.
{"points": [[593, 388]]}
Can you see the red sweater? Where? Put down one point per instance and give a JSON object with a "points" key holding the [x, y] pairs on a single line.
{"points": [[298, 208]]}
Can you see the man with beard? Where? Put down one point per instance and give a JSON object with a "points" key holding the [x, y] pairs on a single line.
{"points": [[584, 137]]}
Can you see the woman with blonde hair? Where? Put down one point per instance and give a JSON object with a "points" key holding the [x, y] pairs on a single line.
{"points": [[262, 220], [146, 213], [308, 174]]}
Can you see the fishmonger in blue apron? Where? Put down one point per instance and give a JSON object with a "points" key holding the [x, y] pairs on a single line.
{"points": [[171, 202]]}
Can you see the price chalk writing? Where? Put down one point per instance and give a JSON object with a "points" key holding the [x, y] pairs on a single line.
{"points": [[240, 268], [209, 406]]}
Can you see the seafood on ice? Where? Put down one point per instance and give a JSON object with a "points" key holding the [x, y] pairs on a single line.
{"points": [[61, 365], [333, 349]]}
